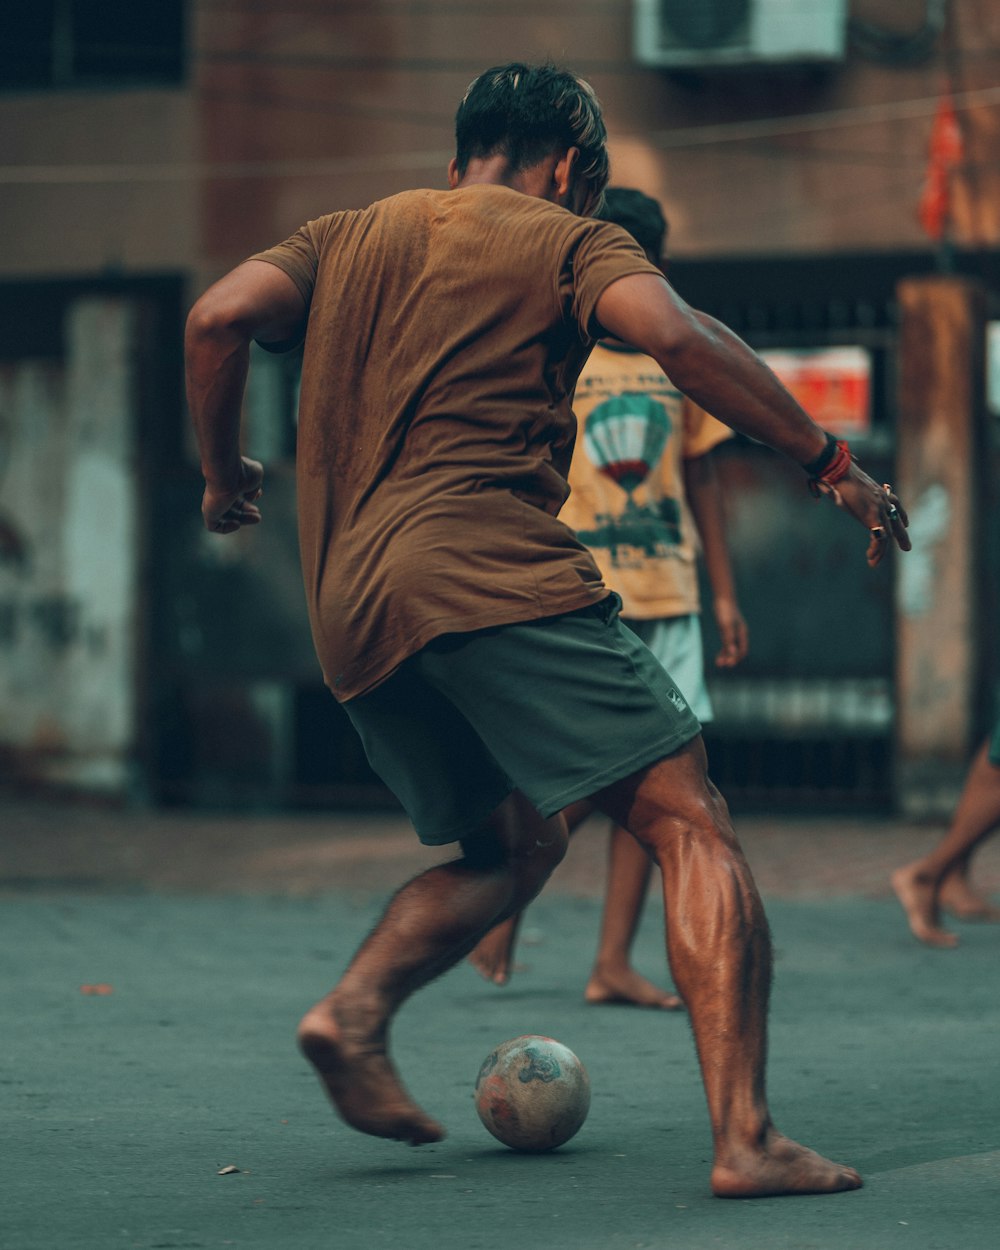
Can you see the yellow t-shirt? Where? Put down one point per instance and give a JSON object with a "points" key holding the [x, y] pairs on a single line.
{"points": [[446, 331], [627, 502]]}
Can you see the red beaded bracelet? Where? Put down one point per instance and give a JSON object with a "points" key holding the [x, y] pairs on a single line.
{"points": [[837, 469]]}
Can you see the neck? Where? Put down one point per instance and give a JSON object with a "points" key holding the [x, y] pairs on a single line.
{"points": [[542, 180], [492, 171]]}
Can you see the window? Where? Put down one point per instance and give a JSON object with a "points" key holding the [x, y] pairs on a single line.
{"points": [[83, 43]]}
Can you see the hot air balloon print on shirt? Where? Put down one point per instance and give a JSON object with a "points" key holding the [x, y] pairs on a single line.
{"points": [[625, 437]]}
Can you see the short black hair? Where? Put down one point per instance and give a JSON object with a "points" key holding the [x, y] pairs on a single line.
{"points": [[527, 112], [637, 213]]}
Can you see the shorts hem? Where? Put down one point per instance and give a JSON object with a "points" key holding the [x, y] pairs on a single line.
{"points": [[625, 768], [456, 832]]}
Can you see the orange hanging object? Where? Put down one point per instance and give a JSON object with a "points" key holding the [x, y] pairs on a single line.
{"points": [[946, 145], [945, 149]]}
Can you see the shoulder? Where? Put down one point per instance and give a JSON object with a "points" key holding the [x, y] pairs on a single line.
{"points": [[405, 202]]}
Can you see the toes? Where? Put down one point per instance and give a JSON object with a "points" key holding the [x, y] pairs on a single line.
{"points": [[425, 1136], [937, 937]]}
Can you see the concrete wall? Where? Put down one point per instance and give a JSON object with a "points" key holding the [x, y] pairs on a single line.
{"points": [[68, 547], [298, 109], [292, 111], [98, 182], [340, 105]]}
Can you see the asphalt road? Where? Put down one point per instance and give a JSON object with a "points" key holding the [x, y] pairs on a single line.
{"points": [[123, 1107]]}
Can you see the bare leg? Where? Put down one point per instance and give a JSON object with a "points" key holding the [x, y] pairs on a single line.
{"points": [[493, 956], [432, 923], [923, 886], [958, 895], [720, 954], [613, 979]]}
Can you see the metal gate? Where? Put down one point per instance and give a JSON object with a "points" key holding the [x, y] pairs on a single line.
{"points": [[807, 720]]}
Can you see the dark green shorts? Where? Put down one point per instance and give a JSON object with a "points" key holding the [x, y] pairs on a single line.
{"points": [[558, 708], [995, 745]]}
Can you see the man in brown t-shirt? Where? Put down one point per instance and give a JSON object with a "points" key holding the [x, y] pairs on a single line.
{"points": [[466, 630]]}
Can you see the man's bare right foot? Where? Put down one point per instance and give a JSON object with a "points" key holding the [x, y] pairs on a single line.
{"points": [[779, 1166], [359, 1078], [626, 988], [918, 898]]}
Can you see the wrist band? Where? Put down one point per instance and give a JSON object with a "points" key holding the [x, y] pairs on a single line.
{"points": [[815, 467], [837, 467]]}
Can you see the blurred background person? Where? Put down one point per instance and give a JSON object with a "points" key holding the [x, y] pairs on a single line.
{"points": [[940, 880]]}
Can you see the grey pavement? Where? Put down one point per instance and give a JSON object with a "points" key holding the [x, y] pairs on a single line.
{"points": [[122, 1108]]}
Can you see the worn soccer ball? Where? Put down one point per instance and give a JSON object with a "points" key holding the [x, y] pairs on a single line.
{"points": [[532, 1093]]}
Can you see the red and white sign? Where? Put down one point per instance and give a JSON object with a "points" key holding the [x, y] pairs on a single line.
{"points": [[833, 384]]}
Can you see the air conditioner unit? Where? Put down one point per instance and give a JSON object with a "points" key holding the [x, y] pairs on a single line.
{"points": [[706, 34]]}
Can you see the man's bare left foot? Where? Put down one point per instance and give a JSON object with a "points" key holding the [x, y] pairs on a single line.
{"points": [[958, 897], [779, 1166], [628, 989], [918, 899], [352, 1064], [493, 955]]}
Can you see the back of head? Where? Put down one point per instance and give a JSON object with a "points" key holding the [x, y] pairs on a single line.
{"points": [[637, 213], [526, 112]]}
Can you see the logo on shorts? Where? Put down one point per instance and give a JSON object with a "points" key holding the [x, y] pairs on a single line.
{"points": [[677, 699]]}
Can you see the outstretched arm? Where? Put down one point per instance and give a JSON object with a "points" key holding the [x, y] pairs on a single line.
{"points": [[255, 301], [701, 487], [719, 372]]}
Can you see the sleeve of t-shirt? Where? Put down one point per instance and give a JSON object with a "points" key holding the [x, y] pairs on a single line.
{"points": [[701, 431], [602, 254], [298, 257]]}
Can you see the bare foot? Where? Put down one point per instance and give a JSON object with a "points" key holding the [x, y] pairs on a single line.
{"points": [[493, 955], [356, 1072], [919, 900], [958, 897], [626, 988], [779, 1166]]}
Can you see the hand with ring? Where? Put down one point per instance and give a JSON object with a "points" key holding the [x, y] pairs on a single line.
{"points": [[895, 523], [878, 508]]}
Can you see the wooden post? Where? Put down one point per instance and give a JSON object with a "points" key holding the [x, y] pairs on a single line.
{"points": [[940, 455]]}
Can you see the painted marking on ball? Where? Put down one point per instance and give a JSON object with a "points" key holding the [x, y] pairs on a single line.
{"points": [[539, 1067]]}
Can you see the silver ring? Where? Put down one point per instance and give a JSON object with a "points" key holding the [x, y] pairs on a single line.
{"points": [[893, 512], [877, 531]]}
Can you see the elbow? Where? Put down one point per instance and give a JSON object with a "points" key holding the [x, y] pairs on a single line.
{"points": [[203, 321], [211, 322]]}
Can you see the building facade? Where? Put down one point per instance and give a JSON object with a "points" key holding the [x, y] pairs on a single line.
{"points": [[144, 150]]}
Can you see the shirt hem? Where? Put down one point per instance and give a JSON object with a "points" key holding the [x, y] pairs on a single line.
{"points": [[374, 674]]}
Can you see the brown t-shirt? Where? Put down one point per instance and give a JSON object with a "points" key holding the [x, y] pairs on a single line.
{"points": [[446, 330]]}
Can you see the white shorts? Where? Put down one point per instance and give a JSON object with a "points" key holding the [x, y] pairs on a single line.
{"points": [[676, 642]]}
